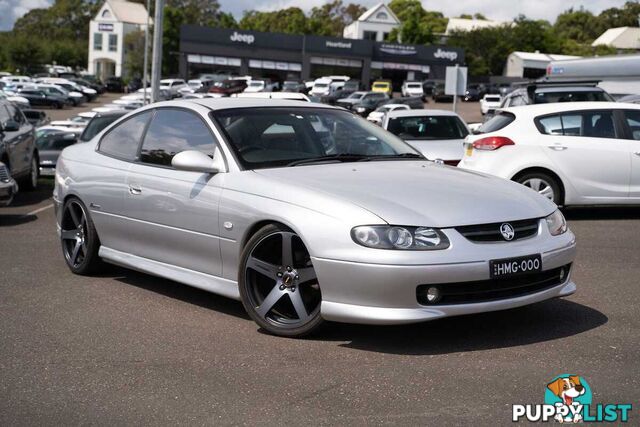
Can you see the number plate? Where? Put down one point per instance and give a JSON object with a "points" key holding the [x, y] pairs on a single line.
{"points": [[510, 267]]}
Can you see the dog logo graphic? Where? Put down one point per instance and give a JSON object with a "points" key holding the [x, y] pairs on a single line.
{"points": [[570, 391]]}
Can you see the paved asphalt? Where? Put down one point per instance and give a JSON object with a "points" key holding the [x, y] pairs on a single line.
{"points": [[127, 348]]}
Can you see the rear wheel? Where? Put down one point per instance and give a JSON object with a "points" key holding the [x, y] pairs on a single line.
{"points": [[30, 182], [544, 184], [278, 283], [79, 239]]}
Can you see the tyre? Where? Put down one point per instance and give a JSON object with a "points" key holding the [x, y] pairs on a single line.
{"points": [[545, 184], [30, 182], [80, 242], [278, 283]]}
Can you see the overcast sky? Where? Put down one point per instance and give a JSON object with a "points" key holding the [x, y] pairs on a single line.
{"points": [[501, 10]]}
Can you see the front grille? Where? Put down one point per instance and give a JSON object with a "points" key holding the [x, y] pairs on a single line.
{"points": [[491, 232], [4, 173], [495, 289]]}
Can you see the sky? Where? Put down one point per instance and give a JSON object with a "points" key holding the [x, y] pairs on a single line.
{"points": [[501, 10]]}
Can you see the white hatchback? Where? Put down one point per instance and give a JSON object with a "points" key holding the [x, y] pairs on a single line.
{"points": [[574, 153]]}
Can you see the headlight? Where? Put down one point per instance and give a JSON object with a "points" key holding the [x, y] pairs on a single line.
{"points": [[399, 237], [556, 223]]}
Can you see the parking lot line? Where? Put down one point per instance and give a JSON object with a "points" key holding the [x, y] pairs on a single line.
{"points": [[44, 208]]}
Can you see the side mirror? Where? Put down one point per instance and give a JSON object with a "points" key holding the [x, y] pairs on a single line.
{"points": [[197, 161], [10, 126]]}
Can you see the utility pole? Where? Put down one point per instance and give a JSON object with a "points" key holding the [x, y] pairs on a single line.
{"points": [[156, 62], [146, 56]]}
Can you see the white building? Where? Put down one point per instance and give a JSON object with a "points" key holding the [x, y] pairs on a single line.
{"points": [[374, 24], [620, 38], [463, 24], [531, 65], [107, 30]]}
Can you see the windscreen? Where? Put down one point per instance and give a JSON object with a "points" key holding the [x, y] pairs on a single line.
{"points": [[427, 127], [96, 125], [571, 96], [276, 137]]}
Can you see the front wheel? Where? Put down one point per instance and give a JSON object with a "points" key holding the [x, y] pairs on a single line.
{"points": [[80, 243], [278, 283], [30, 182]]}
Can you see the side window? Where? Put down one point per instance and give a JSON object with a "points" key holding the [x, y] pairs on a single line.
{"points": [[4, 115], [517, 100], [599, 124], [572, 124], [15, 114], [633, 120], [172, 131], [550, 125], [123, 140]]}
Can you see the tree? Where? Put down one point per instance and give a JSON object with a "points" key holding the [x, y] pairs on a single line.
{"points": [[579, 25], [331, 18], [291, 21], [134, 57], [25, 54], [416, 24]]}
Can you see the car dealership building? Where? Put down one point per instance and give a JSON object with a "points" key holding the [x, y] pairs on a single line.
{"points": [[205, 50]]}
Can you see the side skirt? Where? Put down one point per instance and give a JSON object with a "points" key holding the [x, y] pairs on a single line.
{"points": [[214, 284]]}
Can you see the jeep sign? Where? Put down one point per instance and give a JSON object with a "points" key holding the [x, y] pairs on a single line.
{"points": [[451, 55], [242, 38]]}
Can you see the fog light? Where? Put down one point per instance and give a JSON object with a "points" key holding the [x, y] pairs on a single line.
{"points": [[562, 274], [433, 295]]}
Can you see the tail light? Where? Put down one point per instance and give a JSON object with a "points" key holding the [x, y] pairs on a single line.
{"points": [[491, 143]]}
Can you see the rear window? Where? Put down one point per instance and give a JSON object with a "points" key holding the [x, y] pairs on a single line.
{"points": [[427, 127], [497, 122], [492, 98]]}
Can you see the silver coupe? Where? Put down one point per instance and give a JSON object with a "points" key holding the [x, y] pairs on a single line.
{"points": [[305, 213]]}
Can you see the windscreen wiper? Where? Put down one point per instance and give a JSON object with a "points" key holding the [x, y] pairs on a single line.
{"points": [[397, 156], [342, 157]]}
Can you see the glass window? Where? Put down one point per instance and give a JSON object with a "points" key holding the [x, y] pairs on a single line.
{"points": [[571, 96], [633, 120], [122, 141], [276, 137], [4, 115], [97, 41], [113, 42], [56, 141], [369, 35], [16, 114], [598, 124], [172, 131], [497, 122], [551, 125], [97, 124], [427, 127], [572, 124]]}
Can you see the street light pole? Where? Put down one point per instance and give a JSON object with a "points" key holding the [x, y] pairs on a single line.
{"points": [[146, 57], [156, 62]]}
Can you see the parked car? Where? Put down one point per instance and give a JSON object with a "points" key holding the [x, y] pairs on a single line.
{"points": [[71, 98], [50, 145], [369, 102], [18, 151], [134, 85], [438, 94], [79, 93], [39, 98], [227, 87], [197, 86], [37, 118], [294, 86], [99, 88], [428, 86], [382, 86], [489, 103], [378, 115], [114, 84], [173, 86], [437, 134], [578, 153], [415, 103], [412, 89], [8, 186], [353, 98], [472, 94], [18, 101], [260, 85], [413, 241], [545, 93], [99, 122], [321, 87]]}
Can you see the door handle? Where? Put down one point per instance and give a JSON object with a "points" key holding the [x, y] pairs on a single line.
{"points": [[135, 190], [558, 147]]}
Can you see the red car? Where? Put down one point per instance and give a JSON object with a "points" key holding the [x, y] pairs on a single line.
{"points": [[227, 87]]}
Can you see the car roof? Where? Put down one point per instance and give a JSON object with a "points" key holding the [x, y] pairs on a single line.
{"points": [[421, 113], [560, 107], [229, 103]]}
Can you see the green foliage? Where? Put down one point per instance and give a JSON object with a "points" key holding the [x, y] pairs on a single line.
{"points": [[291, 21], [134, 57], [417, 26]]}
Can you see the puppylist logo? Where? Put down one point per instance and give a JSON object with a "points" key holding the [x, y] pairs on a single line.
{"points": [[568, 399]]}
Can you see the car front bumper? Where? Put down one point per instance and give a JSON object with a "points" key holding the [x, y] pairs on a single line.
{"points": [[357, 292], [8, 190]]}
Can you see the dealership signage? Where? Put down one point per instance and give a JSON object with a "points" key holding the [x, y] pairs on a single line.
{"points": [[242, 38], [398, 49], [339, 45], [451, 55], [105, 27]]}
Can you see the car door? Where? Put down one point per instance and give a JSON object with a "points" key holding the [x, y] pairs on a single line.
{"points": [[632, 120], [588, 149], [23, 139], [105, 181], [175, 213]]}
